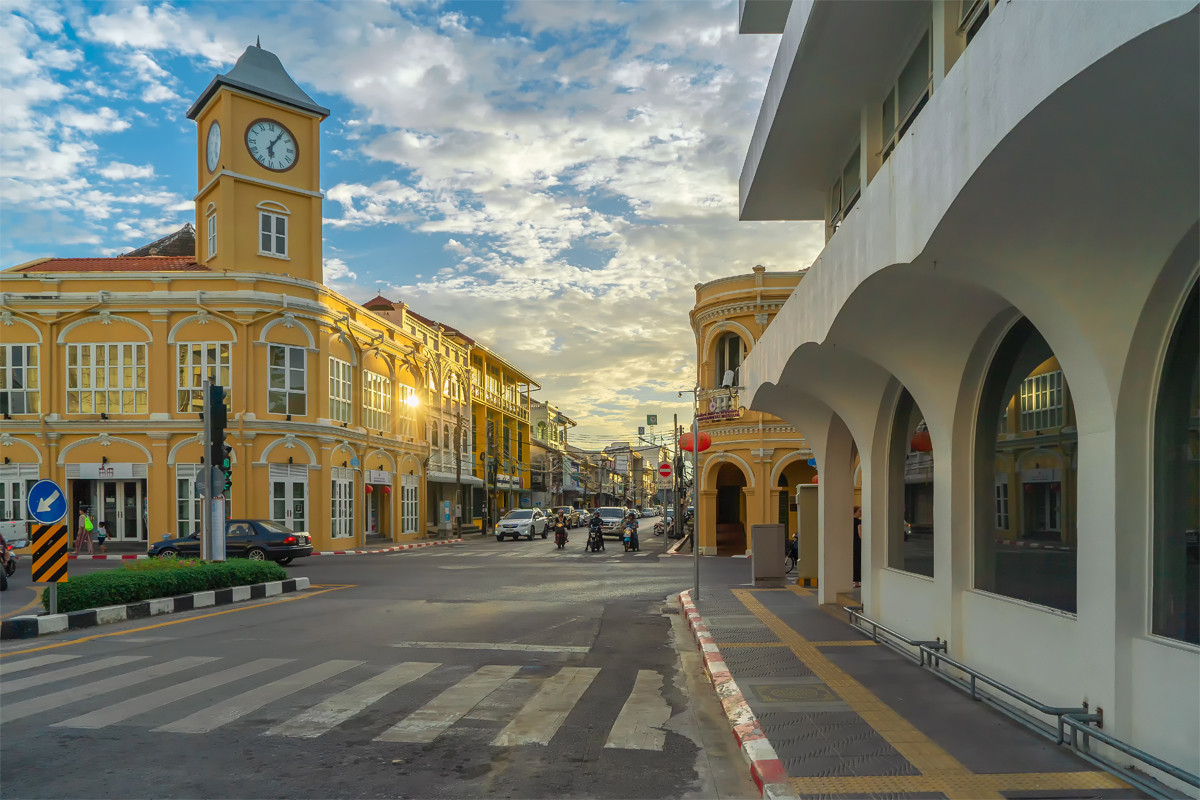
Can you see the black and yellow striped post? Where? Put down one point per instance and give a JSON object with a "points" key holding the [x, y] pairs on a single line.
{"points": [[50, 558]]}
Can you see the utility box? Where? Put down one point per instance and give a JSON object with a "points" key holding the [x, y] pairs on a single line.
{"points": [[766, 545]]}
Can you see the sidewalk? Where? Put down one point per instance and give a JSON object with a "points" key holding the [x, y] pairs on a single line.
{"points": [[847, 717], [135, 550]]}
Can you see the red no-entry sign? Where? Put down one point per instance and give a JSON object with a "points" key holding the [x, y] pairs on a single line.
{"points": [[664, 469]]}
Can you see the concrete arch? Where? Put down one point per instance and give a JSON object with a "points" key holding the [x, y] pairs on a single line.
{"points": [[200, 316], [340, 446], [104, 437], [726, 326], [8, 318], [172, 454], [383, 454], [785, 462], [272, 205], [341, 338], [712, 466], [7, 440], [288, 320], [104, 318], [410, 462], [286, 440]]}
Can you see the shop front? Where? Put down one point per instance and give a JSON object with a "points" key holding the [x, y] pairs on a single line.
{"points": [[377, 502], [114, 495]]}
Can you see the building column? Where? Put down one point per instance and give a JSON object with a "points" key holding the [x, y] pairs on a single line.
{"points": [[161, 508], [836, 515], [706, 534]]}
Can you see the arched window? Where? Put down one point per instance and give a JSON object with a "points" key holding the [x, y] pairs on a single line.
{"points": [[730, 351], [446, 437], [433, 434], [910, 490], [1026, 451], [1176, 549]]}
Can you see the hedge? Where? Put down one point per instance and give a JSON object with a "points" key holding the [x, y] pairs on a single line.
{"points": [[159, 578]]}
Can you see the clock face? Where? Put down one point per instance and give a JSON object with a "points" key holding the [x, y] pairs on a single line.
{"points": [[272, 145], [214, 146]]}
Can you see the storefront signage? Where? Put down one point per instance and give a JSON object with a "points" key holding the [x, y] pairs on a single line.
{"points": [[378, 476], [713, 416], [109, 471]]}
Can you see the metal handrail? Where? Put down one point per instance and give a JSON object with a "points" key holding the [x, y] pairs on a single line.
{"points": [[1078, 719]]}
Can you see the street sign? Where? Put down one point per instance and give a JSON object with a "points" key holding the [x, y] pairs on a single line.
{"points": [[47, 503], [49, 554], [812, 462], [652, 419], [664, 469], [664, 483]]}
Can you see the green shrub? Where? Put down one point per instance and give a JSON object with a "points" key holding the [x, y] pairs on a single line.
{"points": [[154, 578]]}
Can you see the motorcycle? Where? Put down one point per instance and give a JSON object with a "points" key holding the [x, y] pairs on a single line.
{"points": [[791, 553], [560, 536], [10, 563], [630, 539], [666, 526], [595, 541]]}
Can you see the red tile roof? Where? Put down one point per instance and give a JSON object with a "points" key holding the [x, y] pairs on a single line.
{"points": [[119, 264], [379, 302]]}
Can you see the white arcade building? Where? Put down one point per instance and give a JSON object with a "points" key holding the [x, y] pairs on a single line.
{"points": [[998, 345]]}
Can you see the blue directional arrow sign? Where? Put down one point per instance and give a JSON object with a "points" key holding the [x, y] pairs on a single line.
{"points": [[812, 462], [47, 502]]}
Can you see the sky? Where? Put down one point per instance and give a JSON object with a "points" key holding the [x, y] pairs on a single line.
{"points": [[553, 178]]}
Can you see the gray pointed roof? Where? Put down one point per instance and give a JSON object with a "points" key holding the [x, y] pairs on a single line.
{"points": [[260, 72]]}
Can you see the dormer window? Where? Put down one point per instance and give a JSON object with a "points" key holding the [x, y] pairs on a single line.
{"points": [[211, 213], [273, 229]]}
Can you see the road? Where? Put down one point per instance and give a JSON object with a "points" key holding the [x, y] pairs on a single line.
{"points": [[483, 669]]}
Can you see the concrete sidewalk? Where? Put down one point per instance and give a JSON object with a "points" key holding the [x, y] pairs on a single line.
{"points": [[846, 717]]}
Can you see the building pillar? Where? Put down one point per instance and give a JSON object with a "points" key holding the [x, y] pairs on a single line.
{"points": [[161, 508], [836, 515]]}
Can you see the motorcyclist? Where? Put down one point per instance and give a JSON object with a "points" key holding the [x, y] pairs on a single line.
{"points": [[596, 528], [631, 522], [560, 527]]}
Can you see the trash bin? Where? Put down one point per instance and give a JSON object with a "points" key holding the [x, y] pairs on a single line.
{"points": [[767, 551]]}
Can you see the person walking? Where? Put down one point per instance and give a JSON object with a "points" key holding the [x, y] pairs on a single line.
{"points": [[857, 546], [83, 533], [101, 536]]}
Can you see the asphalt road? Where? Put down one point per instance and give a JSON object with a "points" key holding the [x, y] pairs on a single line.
{"points": [[484, 669]]}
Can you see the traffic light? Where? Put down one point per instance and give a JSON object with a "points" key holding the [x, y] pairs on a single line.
{"points": [[220, 453]]}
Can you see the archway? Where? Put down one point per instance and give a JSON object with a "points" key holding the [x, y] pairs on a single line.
{"points": [[731, 511]]}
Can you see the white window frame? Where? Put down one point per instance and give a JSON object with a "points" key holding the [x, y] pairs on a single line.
{"points": [[212, 232], [972, 15], [1002, 517], [274, 215], [92, 384], [193, 366], [1042, 402], [406, 411], [189, 505], [15, 482], [377, 402], [409, 503], [342, 503], [29, 391], [290, 476], [903, 117], [341, 390], [841, 200], [287, 370]]}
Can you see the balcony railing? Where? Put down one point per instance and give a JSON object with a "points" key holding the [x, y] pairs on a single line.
{"points": [[718, 405]]}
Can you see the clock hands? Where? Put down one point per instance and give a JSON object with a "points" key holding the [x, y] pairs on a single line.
{"points": [[271, 146]]}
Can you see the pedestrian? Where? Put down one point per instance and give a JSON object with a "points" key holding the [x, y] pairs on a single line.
{"points": [[83, 534], [101, 536], [857, 546]]}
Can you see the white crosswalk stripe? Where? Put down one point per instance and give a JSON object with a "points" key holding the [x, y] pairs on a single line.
{"points": [[73, 671], [534, 708], [29, 663], [342, 706]]}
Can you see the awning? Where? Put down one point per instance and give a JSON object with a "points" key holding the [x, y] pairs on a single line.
{"points": [[448, 477]]}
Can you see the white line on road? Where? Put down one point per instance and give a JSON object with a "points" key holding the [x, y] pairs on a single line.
{"points": [[529, 648], [14, 711], [225, 712], [435, 717], [73, 671], [639, 725], [119, 712], [342, 706], [30, 663], [544, 714]]}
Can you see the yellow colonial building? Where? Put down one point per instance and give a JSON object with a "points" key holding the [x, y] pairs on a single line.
{"points": [[341, 416], [757, 468]]}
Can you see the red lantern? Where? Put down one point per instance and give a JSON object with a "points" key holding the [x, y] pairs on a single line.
{"points": [[921, 443], [369, 489], [816, 479], [387, 490], [685, 442]]}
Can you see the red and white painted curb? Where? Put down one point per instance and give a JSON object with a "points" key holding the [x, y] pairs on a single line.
{"points": [[397, 548], [765, 767]]}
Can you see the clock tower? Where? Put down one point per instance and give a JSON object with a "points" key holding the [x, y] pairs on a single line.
{"points": [[258, 197]]}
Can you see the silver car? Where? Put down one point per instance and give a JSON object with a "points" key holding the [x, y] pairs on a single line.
{"points": [[610, 520], [527, 522]]}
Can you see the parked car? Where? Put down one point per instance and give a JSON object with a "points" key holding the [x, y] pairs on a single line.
{"points": [[527, 522], [574, 520], [610, 520], [255, 539]]}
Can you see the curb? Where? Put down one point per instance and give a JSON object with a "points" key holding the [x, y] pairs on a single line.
{"points": [[765, 767], [32, 626], [113, 557], [385, 549]]}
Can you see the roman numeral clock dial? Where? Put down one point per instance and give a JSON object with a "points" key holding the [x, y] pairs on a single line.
{"points": [[272, 145]]}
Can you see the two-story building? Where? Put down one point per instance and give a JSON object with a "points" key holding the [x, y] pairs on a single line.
{"points": [[1001, 333], [500, 434], [553, 474]]}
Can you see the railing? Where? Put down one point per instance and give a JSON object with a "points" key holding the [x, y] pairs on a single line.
{"points": [[1078, 720]]}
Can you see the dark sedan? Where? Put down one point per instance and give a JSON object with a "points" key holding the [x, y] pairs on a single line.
{"points": [[255, 539]]}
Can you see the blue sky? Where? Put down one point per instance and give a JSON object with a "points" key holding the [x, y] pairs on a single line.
{"points": [[551, 177]]}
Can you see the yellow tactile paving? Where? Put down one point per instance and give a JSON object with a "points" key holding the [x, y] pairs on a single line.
{"points": [[851, 643], [940, 772]]}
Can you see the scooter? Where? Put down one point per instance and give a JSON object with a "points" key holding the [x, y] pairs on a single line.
{"points": [[10, 563], [595, 541], [631, 539], [560, 536]]}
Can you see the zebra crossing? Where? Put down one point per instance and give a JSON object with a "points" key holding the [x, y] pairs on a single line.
{"points": [[533, 706]]}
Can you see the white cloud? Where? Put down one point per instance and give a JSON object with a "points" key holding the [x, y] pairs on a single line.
{"points": [[102, 120], [118, 171]]}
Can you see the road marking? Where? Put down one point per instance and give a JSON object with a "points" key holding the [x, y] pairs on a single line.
{"points": [[30, 663], [528, 648], [227, 711], [540, 718], [82, 639], [342, 706], [119, 712], [34, 603], [14, 711], [639, 725], [73, 671], [435, 717]]}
